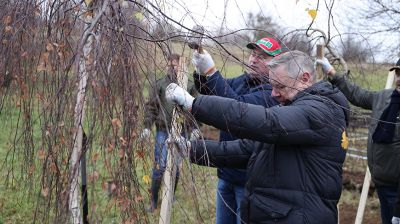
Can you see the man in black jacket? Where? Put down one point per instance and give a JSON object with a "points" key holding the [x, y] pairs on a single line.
{"points": [[295, 164]]}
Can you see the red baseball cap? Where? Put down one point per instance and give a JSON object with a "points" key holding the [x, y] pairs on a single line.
{"points": [[268, 45]]}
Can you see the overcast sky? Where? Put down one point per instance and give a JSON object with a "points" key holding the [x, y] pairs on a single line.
{"points": [[232, 14]]}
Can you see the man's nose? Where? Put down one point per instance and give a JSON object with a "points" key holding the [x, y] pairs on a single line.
{"points": [[252, 60], [274, 93]]}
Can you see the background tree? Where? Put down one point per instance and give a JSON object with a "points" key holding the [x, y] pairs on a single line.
{"points": [[379, 20], [356, 51], [261, 25]]}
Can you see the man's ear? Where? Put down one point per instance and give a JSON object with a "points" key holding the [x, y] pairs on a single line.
{"points": [[305, 78]]}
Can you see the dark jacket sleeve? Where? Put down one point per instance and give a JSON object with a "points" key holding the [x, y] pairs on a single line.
{"points": [[219, 86], [306, 124], [355, 94], [229, 154]]}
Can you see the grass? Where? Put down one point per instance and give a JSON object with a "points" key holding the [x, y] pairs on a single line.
{"points": [[19, 199]]}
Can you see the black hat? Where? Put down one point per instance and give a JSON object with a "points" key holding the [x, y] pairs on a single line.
{"points": [[395, 67]]}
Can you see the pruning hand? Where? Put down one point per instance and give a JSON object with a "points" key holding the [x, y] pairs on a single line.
{"points": [[145, 133], [326, 66], [176, 94], [182, 144], [203, 63]]}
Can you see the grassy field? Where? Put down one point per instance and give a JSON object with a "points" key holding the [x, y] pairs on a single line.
{"points": [[195, 198]]}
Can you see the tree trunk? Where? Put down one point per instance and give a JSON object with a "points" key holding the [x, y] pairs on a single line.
{"points": [[86, 63]]}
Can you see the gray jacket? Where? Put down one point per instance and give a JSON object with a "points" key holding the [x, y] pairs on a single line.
{"points": [[383, 159]]}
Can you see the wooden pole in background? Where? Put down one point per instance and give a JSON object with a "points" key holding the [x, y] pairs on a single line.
{"points": [[170, 171], [320, 55]]}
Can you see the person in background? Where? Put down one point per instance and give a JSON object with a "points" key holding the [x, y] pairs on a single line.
{"points": [[294, 153], [383, 150], [251, 87], [159, 112]]}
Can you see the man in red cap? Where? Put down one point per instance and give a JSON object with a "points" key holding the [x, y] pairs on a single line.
{"points": [[251, 87]]}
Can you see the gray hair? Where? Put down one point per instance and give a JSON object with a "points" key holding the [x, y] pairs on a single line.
{"points": [[294, 62]]}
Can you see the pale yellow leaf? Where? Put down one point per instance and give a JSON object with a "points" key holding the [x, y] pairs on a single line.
{"points": [[146, 179], [345, 140], [312, 13], [88, 2], [139, 16]]}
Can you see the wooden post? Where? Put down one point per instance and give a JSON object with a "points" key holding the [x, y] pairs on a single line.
{"points": [[367, 177], [173, 156], [320, 55]]}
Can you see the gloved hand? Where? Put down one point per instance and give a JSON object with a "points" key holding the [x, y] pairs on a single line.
{"points": [[182, 145], [395, 220], [145, 134], [326, 66], [203, 63], [176, 94], [195, 134]]}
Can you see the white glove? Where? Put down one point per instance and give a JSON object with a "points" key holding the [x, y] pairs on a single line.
{"points": [[395, 220], [326, 66], [196, 134], [203, 63], [176, 94], [145, 133], [182, 145]]}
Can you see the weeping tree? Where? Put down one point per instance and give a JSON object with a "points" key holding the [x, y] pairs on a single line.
{"points": [[72, 71]]}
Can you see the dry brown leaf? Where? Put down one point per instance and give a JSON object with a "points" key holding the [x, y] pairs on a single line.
{"points": [[116, 122], [7, 20], [45, 191], [110, 147], [95, 157], [121, 153], [8, 29], [42, 154], [49, 47]]}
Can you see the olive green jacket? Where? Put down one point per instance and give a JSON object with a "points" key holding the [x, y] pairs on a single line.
{"points": [[159, 111], [383, 159]]}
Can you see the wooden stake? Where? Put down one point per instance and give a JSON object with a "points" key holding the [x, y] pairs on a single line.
{"points": [[320, 55], [173, 156]]}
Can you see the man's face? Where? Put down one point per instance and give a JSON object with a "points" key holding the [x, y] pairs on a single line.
{"points": [[284, 87], [258, 61], [397, 79], [174, 64]]}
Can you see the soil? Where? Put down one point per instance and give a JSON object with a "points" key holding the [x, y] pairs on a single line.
{"points": [[352, 185]]}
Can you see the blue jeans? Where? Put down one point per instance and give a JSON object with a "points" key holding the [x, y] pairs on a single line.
{"points": [[228, 202], [160, 155], [387, 198]]}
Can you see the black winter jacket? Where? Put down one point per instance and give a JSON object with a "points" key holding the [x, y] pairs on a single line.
{"points": [[242, 88], [295, 164]]}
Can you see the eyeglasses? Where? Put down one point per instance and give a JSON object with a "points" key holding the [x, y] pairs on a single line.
{"points": [[261, 56]]}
